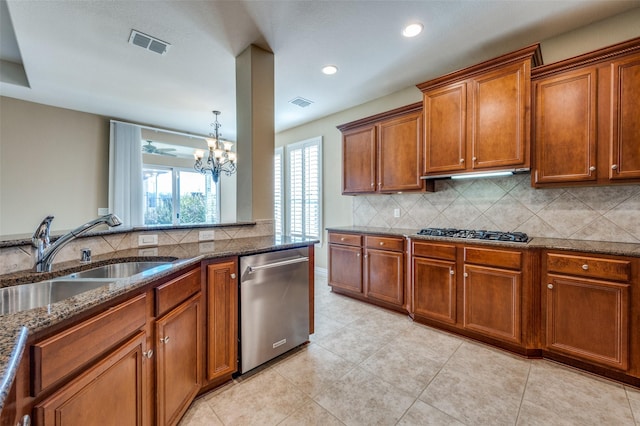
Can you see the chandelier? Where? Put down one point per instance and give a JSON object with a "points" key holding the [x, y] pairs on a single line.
{"points": [[221, 159]]}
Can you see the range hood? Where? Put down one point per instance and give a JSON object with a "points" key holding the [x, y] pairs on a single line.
{"points": [[472, 175]]}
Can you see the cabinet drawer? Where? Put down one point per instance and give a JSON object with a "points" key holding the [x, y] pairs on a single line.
{"points": [[384, 243], [346, 239], [585, 266], [176, 291], [437, 251], [59, 355], [492, 257]]}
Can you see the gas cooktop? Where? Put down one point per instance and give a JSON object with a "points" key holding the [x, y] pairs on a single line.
{"points": [[518, 237]]}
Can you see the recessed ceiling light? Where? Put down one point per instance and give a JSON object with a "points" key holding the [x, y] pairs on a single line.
{"points": [[330, 69], [412, 30]]}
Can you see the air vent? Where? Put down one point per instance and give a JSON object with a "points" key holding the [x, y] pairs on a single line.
{"points": [[147, 42], [301, 102]]}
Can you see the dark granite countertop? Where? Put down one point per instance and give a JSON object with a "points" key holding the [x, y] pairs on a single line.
{"points": [[586, 246], [16, 326]]}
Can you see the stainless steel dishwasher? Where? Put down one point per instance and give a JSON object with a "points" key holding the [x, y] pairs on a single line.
{"points": [[274, 305]]}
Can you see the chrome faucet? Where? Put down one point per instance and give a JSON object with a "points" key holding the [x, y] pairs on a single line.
{"points": [[45, 251]]}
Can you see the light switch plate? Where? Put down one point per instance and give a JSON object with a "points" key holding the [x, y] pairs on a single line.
{"points": [[148, 240], [206, 235]]}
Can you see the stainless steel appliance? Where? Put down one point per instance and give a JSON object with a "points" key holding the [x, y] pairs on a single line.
{"points": [[274, 305], [518, 237]]}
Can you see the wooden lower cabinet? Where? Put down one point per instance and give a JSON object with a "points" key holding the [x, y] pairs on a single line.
{"points": [[434, 289], [222, 320], [178, 360], [111, 392], [384, 272], [345, 267]]}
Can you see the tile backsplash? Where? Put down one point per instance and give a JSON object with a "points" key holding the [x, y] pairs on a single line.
{"points": [[604, 213], [19, 258]]}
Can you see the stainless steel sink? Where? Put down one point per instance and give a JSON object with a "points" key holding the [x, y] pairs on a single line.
{"points": [[120, 270], [29, 296]]}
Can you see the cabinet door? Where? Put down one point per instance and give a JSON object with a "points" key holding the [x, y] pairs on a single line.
{"points": [[400, 153], [345, 267], [434, 289], [587, 319], [565, 127], [359, 160], [625, 143], [499, 118], [492, 302], [222, 319], [445, 129], [384, 276], [110, 393], [179, 360]]}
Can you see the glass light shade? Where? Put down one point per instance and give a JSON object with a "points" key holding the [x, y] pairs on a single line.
{"points": [[227, 145], [198, 154], [211, 142], [232, 157], [218, 153]]}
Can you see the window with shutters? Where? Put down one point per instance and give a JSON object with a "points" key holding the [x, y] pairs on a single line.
{"points": [[302, 203], [278, 208]]}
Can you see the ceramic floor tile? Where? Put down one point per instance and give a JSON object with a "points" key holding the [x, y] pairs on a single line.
{"points": [[573, 397], [421, 414], [360, 398], [311, 414], [634, 402], [353, 345], [264, 399], [323, 326], [313, 369], [479, 386], [200, 414]]}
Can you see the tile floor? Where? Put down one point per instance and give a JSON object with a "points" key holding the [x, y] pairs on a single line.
{"points": [[368, 366]]}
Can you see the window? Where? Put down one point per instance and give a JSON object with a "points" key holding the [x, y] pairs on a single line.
{"points": [[303, 176], [174, 196], [278, 208]]}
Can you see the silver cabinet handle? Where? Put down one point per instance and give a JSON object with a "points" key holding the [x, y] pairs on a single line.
{"points": [[252, 269], [614, 167], [475, 158], [451, 272], [148, 353], [233, 276], [165, 340], [461, 160], [592, 168], [550, 286], [585, 267], [466, 275], [25, 421]]}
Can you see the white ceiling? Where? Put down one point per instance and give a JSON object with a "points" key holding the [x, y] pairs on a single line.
{"points": [[76, 53]]}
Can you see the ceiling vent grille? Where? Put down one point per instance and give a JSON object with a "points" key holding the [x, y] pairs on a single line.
{"points": [[301, 102], [147, 42]]}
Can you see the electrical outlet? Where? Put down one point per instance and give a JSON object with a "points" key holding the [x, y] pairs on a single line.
{"points": [[148, 240], [206, 235], [396, 212]]}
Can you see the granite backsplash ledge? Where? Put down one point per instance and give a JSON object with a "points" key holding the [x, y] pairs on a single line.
{"points": [[604, 213], [14, 258]]}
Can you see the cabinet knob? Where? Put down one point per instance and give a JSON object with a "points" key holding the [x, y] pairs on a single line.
{"points": [[148, 353], [366, 256], [614, 167], [233, 276], [381, 243], [592, 168], [342, 239], [466, 275], [451, 272], [372, 184], [475, 158], [461, 160], [357, 254], [164, 340], [585, 267], [550, 286]]}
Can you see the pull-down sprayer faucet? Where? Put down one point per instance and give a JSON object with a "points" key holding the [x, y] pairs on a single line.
{"points": [[45, 251]]}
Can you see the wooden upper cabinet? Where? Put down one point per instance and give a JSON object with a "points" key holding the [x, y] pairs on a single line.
{"points": [[399, 153], [445, 139], [359, 160], [499, 122], [625, 119], [586, 127], [477, 119], [383, 153], [565, 127]]}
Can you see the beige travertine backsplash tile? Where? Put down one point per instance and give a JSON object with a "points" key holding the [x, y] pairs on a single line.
{"points": [[20, 258], [607, 213]]}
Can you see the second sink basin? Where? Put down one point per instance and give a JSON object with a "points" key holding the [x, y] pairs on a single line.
{"points": [[119, 270]]}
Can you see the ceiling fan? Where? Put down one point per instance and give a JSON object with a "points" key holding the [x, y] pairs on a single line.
{"points": [[150, 148]]}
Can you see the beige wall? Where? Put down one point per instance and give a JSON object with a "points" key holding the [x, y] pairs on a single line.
{"points": [[339, 210], [52, 161]]}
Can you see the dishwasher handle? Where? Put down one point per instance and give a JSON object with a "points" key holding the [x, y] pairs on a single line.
{"points": [[252, 269]]}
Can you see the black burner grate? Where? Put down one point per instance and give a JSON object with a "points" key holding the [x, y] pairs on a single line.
{"points": [[519, 237]]}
